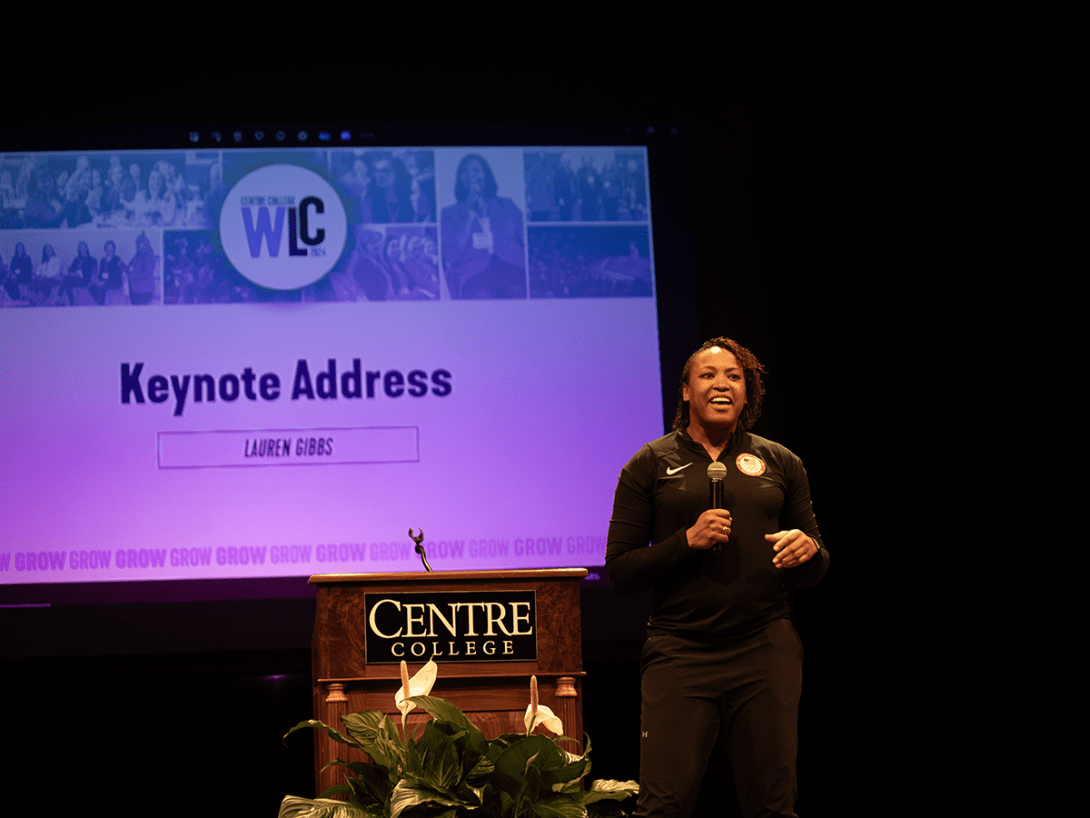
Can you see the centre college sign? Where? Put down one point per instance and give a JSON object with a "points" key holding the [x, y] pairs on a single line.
{"points": [[460, 626]]}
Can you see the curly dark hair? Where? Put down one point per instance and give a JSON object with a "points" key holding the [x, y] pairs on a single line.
{"points": [[751, 368]]}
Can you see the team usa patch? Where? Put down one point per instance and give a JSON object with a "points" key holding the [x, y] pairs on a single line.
{"points": [[750, 464]]}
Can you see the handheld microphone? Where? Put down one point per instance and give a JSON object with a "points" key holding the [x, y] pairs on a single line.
{"points": [[716, 472]]}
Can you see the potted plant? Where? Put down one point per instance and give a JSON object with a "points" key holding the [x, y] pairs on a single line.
{"points": [[450, 770]]}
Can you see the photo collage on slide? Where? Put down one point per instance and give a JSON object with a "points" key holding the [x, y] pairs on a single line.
{"points": [[165, 228]]}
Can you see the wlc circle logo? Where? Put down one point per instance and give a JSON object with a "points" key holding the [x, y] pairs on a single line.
{"points": [[283, 227]]}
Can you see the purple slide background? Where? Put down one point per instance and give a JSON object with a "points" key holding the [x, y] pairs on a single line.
{"points": [[515, 467]]}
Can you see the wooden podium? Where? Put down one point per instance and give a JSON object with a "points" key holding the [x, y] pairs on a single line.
{"points": [[488, 631]]}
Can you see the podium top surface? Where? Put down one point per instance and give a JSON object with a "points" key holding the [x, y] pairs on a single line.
{"points": [[432, 576]]}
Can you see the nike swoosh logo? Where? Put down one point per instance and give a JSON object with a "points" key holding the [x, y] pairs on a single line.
{"points": [[670, 471]]}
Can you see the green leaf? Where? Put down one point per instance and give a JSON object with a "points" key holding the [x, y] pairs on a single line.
{"points": [[435, 759], [610, 785], [405, 797], [506, 804], [570, 772], [533, 786], [355, 766], [370, 723], [334, 734], [378, 737], [443, 710], [371, 787], [559, 806], [608, 790], [295, 807], [607, 809], [480, 773], [336, 789], [468, 746], [515, 761]]}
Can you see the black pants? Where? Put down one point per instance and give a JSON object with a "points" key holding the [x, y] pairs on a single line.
{"points": [[749, 689]]}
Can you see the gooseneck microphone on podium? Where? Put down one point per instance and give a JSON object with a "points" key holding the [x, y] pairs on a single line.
{"points": [[716, 472], [418, 539]]}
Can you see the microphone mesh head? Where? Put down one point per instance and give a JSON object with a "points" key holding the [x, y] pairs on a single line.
{"points": [[717, 471]]}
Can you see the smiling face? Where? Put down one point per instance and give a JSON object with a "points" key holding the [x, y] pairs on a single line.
{"points": [[715, 391]]}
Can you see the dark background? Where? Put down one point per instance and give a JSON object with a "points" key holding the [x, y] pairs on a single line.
{"points": [[790, 206]]}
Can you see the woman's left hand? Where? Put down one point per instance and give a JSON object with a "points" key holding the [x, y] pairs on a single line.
{"points": [[792, 548]]}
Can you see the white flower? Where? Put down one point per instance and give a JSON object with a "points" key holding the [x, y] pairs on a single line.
{"points": [[419, 685], [540, 714], [544, 716]]}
